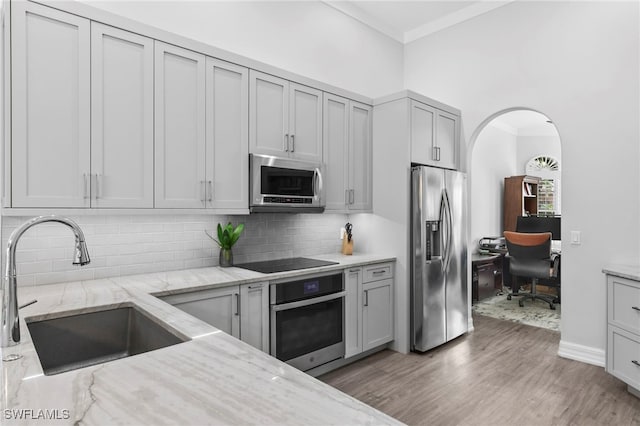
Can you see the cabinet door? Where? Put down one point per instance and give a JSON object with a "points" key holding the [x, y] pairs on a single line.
{"points": [[422, 133], [377, 313], [227, 135], [50, 107], [336, 151], [179, 128], [353, 312], [305, 123], [254, 315], [121, 118], [360, 158], [218, 307], [268, 114], [447, 139]]}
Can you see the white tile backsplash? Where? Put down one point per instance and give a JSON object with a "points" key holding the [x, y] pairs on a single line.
{"points": [[124, 245]]}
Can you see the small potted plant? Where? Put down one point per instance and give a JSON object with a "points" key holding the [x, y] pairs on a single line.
{"points": [[227, 237]]}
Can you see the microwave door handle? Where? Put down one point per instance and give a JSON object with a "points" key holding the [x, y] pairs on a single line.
{"points": [[317, 177]]}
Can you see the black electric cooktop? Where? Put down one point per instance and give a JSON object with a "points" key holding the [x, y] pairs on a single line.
{"points": [[281, 265]]}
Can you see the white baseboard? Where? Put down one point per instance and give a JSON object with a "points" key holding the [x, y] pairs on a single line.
{"points": [[582, 353]]}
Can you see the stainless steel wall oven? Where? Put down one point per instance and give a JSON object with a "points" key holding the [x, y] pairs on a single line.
{"points": [[307, 320]]}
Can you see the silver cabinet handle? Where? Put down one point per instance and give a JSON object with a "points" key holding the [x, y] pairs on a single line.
{"points": [[210, 188], [251, 287], [85, 179], [378, 272], [237, 295], [438, 153], [346, 196], [635, 362], [285, 144], [635, 308], [354, 270], [293, 143], [352, 196], [98, 185], [366, 298], [434, 153]]}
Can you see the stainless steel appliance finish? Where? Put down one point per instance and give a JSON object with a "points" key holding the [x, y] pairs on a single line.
{"points": [[439, 290], [84, 339], [287, 264], [307, 320], [285, 185]]}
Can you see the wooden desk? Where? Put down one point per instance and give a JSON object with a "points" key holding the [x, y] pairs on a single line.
{"points": [[486, 275]]}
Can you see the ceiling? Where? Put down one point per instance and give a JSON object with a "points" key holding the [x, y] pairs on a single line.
{"points": [[525, 123], [406, 21]]}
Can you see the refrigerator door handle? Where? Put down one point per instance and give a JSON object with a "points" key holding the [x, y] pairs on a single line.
{"points": [[444, 229], [447, 207]]}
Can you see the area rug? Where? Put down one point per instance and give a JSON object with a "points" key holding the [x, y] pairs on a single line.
{"points": [[534, 312]]}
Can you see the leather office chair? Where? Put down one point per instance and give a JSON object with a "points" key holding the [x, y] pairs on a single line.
{"points": [[530, 257]]}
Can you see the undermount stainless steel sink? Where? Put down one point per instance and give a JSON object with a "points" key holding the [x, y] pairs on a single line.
{"points": [[80, 340]]}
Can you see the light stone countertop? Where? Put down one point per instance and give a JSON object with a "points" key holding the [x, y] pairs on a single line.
{"points": [[213, 378], [631, 272]]}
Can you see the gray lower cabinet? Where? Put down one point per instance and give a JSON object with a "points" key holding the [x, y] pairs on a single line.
{"points": [[368, 307], [623, 331], [241, 311]]}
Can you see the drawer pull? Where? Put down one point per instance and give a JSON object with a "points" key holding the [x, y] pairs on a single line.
{"points": [[635, 362], [381, 271], [635, 308]]}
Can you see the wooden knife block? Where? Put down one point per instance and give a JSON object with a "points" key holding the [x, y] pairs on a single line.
{"points": [[347, 246]]}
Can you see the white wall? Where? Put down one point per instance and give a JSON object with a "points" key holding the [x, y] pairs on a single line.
{"points": [[576, 62], [304, 37], [494, 158]]}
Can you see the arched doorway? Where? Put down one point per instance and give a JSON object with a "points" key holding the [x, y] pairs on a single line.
{"points": [[514, 142]]}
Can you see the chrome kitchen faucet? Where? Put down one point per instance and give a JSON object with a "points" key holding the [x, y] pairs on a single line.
{"points": [[10, 317]]}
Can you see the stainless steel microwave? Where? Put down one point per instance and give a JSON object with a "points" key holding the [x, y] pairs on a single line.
{"points": [[285, 185]]}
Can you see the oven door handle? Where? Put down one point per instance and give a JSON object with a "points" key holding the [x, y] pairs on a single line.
{"points": [[307, 302]]}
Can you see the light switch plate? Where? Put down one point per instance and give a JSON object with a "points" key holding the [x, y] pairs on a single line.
{"points": [[575, 238]]}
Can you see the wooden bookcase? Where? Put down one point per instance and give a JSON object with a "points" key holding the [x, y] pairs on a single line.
{"points": [[520, 199]]}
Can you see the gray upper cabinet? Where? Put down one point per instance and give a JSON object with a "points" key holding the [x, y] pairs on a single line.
{"points": [[50, 151], [201, 121], [180, 179], [347, 154], [121, 118], [227, 121], [285, 118], [434, 136]]}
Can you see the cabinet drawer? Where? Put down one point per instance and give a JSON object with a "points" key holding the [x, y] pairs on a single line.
{"points": [[624, 304], [377, 272], [623, 356]]}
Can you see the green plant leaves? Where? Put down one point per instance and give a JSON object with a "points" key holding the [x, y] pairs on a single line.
{"points": [[227, 235]]}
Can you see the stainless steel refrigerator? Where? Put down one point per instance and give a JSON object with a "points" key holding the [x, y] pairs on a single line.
{"points": [[439, 310]]}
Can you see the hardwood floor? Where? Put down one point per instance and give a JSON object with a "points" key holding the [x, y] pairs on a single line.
{"points": [[503, 373]]}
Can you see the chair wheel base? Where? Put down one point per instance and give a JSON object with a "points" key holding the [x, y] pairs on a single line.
{"points": [[552, 306], [509, 297], [521, 303]]}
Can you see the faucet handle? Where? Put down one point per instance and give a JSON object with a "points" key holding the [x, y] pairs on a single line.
{"points": [[28, 304]]}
